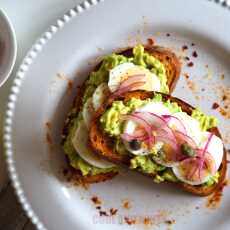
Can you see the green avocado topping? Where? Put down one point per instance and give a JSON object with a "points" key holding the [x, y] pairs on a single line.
{"points": [[111, 120], [113, 125], [145, 164], [212, 180], [206, 122], [140, 57], [86, 169], [146, 60]]}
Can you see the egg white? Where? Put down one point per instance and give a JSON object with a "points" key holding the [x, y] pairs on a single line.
{"points": [[191, 125], [80, 143], [154, 107], [215, 149], [122, 71], [99, 95], [88, 112]]}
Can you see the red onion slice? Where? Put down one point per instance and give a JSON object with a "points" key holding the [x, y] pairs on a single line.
{"points": [[132, 79], [131, 87], [143, 123], [201, 162], [178, 123], [183, 138]]}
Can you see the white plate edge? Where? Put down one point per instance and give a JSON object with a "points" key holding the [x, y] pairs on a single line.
{"points": [[15, 89], [14, 48]]}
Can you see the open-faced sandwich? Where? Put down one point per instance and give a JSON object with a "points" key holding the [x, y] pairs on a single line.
{"points": [[163, 137], [140, 68]]}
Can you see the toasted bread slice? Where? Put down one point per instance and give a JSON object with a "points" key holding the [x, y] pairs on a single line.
{"points": [[102, 143], [172, 66], [168, 59]]}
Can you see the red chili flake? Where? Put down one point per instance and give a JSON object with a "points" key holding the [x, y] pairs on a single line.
{"points": [[184, 47], [48, 125], [126, 204], [103, 213], [186, 75], [168, 34], [49, 139], [65, 172], [96, 200], [147, 221], [190, 64], [170, 222], [224, 97], [129, 221], [113, 211], [215, 105], [194, 54], [150, 41], [187, 58]]}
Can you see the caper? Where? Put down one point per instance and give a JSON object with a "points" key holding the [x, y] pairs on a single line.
{"points": [[187, 150], [135, 144]]}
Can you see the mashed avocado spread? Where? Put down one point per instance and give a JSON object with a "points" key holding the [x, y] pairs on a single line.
{"points": [[140, 57], [113, 125]]}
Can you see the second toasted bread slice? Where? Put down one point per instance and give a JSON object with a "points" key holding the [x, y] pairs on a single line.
{"points": [[103, 144]]}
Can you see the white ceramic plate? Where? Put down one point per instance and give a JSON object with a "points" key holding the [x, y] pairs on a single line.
{"points": [[8, 47], [72, 47]]}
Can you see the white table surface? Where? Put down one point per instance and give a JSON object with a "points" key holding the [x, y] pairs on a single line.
{"points": [[30, 18]]}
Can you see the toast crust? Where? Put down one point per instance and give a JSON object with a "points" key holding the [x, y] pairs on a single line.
{"points": [[101, 143], [172, 66]]}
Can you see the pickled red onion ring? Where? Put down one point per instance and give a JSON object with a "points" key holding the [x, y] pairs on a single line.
{"points": [[179, 124], [183, 138], [201, 162], [131, 87], [132, 79], [143, 123], [155, 127]]}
